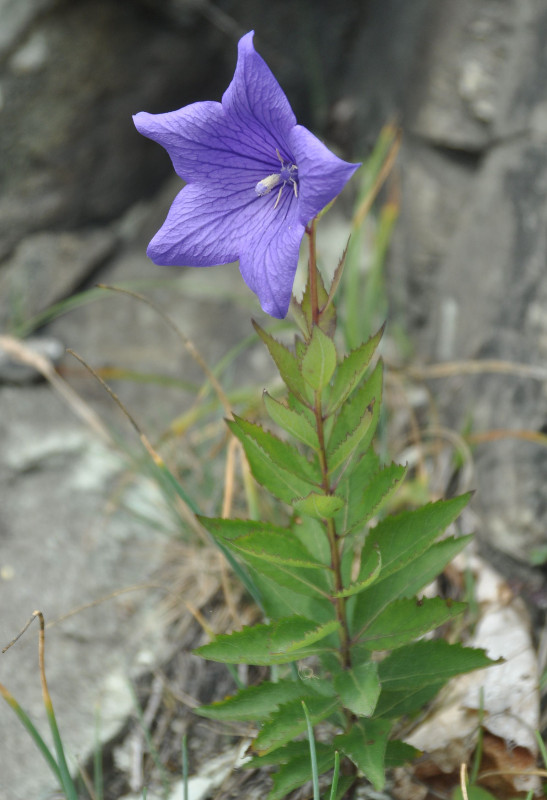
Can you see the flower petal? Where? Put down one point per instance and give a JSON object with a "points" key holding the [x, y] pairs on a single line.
{"points": [[321, 174], [256, 98], [202, 140], [269, 259]]}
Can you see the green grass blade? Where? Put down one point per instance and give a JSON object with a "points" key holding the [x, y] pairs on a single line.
{"points": [[335, 776], [313, 754], [38, 741], [67, 783]]}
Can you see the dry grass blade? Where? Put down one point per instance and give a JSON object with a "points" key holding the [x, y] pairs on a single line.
{"points": [[453, 368], [387, 166], [18, 351]]}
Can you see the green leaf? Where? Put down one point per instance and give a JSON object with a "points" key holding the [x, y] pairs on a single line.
{"points": [[374, 567], [297, 771], [256, 702], [365, 745], [406, 619], [311, 583], [289, 721], [277, 643], [399, 753], [428, 662], [230, 529], [319, 361], [351, 370], [278, 481], [346, 447], [351, 488], [286, 364], [318, 506], [327, 317], [291, 421], [369, 395], [367, 498], [279, 601], [278, 546], [473, 793], [395, 705], [281, 453], [282, 755], [313, 536], [405, 583], [403, 537], [359, 688], [273, 551]]}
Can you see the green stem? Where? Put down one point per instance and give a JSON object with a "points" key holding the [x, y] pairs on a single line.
{"points": [[334, 539]]}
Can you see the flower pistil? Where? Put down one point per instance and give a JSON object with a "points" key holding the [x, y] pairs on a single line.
{"points": [[287, 175]]}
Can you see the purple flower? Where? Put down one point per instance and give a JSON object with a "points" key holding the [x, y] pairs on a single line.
{"points": [[254, 180]]}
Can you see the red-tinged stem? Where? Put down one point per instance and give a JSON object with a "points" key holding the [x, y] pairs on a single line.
{"points": [[334, 539], [312, 266]]}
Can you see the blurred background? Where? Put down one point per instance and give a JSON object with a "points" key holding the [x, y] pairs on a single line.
{"points": [[81, 194]]}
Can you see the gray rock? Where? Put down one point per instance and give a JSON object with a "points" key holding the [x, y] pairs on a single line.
{"points": [[63, 547], [468, 268], [72, 80], [47, 268]]}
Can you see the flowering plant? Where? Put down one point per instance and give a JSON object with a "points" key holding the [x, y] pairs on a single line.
{"points": [[337, 584], [254, 180]]}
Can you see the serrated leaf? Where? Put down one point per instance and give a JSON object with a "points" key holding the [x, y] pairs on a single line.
{"points": [[327, 318], [399, 753], [378, 490], [369, 395], [228, 529], [286, 364], [313, 636], [279, 547], [278, 601], [282, 755], [289, 721], [347, 446], [272, 551], [403, 537], [277, 643], [297, 771], [406, 619], [280, 482], [365, 745], [394, 705], [359, 688], [307, 582], [313, 536], [282, 453], [351, 370], [351, 489], [256, 702], [319, 360], [370, 574], [291, 421], [406, 582], [318, 506], [428, 662]]}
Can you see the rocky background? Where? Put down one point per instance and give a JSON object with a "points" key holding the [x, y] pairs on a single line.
{"points": [[80, 195]]}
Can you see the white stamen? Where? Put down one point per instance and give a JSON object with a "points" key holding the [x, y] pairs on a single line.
{"points": [[268, 183]]}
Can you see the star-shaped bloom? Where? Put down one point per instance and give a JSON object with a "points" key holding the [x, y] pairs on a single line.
{"points": [[254, 179]]}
